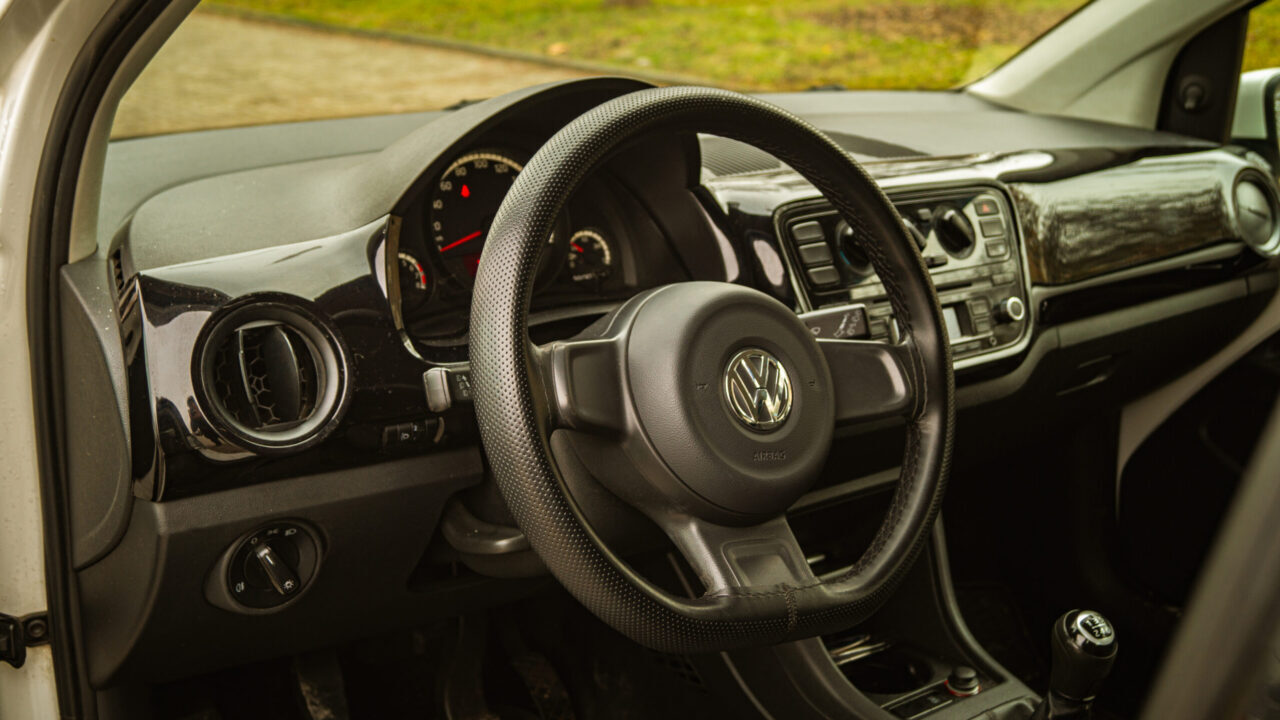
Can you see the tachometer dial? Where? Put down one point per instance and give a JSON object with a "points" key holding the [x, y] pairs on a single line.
{"points": [[415, 284], [590, 259], [465, 199]]}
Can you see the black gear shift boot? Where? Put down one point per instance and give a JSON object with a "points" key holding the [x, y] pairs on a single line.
{"points": [[1084, 648]]}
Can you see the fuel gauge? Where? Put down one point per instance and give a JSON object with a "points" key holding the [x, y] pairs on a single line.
{"points": [[590, 259], [415, 284]]}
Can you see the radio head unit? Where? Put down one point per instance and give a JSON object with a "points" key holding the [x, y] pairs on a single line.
{"points": [[969, 241]]}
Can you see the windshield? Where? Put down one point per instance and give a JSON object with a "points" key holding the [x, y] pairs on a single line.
{"points": [[249, 62]]}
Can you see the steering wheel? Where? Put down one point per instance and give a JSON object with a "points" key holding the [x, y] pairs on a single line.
{"points": [[708, 406]]}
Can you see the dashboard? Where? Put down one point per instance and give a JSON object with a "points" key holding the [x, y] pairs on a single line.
{"points": [[284, 337]]}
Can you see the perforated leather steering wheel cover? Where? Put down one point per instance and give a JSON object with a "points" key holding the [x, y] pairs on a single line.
{"points": [[512, 418]]}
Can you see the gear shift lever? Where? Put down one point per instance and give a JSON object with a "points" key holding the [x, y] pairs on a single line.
{"points": [[1084, 648]]}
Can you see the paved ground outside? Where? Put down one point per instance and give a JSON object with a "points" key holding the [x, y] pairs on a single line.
{"points": [[220, 71]]}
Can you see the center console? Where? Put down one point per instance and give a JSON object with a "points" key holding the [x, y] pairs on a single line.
{"points": [[914, 659], [969, 240]]}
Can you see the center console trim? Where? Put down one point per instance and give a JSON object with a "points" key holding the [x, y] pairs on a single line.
{"points": [[907, 193]]}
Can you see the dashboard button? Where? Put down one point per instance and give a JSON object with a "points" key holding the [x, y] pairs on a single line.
{"points": [[419, 430], [986, 205], [935, 260], [824, 276], [402, 434], [390, 436], [997, 249], [815, 254], [992, 227], [1002, 278], [807, 232]]}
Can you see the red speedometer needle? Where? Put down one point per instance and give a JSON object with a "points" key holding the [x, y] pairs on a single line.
{"points": [[458, 242]]}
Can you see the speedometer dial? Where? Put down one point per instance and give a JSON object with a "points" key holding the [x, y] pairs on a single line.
{"points": [[466, 198]]}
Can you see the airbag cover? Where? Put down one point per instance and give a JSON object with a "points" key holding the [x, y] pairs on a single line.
{"points": [[681, 343]]}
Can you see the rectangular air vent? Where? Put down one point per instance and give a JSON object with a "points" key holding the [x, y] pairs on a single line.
{"points": [[126, 290]]}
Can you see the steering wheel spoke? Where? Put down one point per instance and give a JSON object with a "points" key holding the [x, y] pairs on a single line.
{"points": [[729, 559], [872, 379], [582, 378]]}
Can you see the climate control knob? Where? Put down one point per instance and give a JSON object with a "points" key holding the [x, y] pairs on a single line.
{"points": [[954, 231], [1011, 309], [855, 259]]}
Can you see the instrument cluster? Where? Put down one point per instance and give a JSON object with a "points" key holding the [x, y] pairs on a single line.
{"points": [[440, 245]]}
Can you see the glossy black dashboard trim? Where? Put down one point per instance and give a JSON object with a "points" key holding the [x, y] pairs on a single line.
{"points": [[1128, 215], [340, 281]]}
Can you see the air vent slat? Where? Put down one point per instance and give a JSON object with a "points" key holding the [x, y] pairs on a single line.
{"points": [[230, 391], [284, 375], [117, 272], [128, 300], [126, 289]]}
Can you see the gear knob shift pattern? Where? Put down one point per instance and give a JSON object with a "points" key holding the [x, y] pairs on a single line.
{"points": [[1084, 648]]}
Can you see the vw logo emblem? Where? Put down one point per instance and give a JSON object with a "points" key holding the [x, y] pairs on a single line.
{"points": [[757, 389]]}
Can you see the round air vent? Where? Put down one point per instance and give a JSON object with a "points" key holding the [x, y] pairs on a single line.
{"points": [[271, 376], [1256, 216]]}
